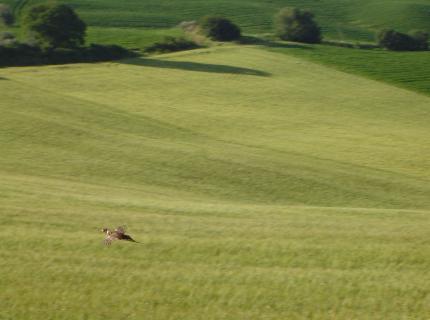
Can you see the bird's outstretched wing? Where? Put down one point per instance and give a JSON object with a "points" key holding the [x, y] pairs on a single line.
{"points": [[120, 229]]}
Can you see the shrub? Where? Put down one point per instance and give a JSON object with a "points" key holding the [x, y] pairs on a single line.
{"points": [[23, 54], [97, 52], [297, 25], [6, 35], [7, 38], [55, 25], [17, 54], [394, 40], [421, 38], [171, 44], [6, 15], [219, 29]]}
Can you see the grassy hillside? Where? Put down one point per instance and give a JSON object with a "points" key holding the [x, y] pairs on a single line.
{"points": [[215, 103], [139, 24], [410, 70], [261, 186], [339, 19]]}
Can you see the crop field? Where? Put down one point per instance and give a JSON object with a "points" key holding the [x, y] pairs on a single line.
{"points": [[340, 19], [260, 185], [409, 70]]}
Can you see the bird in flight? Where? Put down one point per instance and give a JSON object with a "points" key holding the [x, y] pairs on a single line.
{"points": [[117, 234]]}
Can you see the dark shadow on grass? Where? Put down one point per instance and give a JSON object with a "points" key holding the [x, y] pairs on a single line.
{"points": [[1, 78], [272, 43], [194, 66]]}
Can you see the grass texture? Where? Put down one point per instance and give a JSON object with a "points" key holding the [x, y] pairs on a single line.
{"points": [[135, 38], [261, 185], [410, 70]]}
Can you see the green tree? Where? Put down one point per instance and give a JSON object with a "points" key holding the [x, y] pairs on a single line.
{"points": [[421, 38], [297, 25], [55, 25], [394, 40], [6, 15], [219, 28]]}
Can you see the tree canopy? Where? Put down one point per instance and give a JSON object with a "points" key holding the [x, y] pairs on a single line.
{"points": [[6, 15], [55, 25], [394, 40], [219, 28], [297, 25]]}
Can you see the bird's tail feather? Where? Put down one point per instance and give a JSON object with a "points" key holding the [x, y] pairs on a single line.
{"points": [[128, 238]]}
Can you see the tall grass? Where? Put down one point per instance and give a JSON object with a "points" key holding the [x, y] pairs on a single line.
{"points": [[262, 186]]}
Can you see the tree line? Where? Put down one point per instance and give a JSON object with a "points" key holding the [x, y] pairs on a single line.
{"points": [[293, 24], [57, 34]]}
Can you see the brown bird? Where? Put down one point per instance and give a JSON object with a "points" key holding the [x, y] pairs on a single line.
{"points": [[117, 234]]}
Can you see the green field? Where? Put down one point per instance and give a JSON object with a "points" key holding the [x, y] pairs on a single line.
{"points": [[340, 19], [408, 70], [138, 24], [262, 185]]}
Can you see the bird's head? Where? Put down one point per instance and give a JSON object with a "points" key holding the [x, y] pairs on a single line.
{"points": [[104, 230]]}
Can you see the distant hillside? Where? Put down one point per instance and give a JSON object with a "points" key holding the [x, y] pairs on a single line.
{"points": [[340, 19], [410, 70]]}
